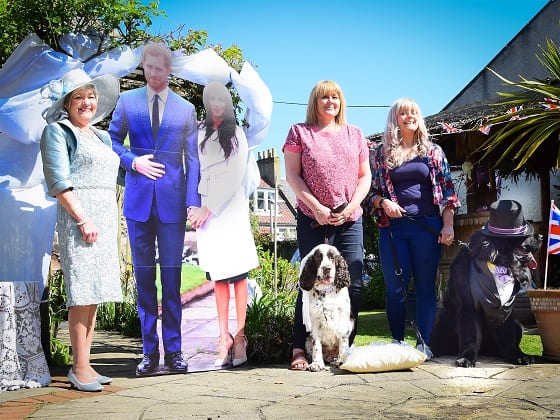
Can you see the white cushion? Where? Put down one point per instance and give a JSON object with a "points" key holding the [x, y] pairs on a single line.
{"points": [[382, 357]]}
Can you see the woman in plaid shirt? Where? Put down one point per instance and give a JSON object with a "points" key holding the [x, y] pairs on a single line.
{"points": [[413, 199]]}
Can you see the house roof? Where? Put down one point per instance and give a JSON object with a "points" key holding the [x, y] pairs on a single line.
{"points": [[463, 118], [286, 215], [467, 117], [460, 132], [287, 194]]}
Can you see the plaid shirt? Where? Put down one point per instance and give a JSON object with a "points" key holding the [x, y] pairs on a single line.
{"points": [[440, 175]]}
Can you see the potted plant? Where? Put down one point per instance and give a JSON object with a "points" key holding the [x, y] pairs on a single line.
{"points": [[545, 303]]}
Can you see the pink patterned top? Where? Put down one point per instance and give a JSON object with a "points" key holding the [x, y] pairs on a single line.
{"points": [[329, 163]]}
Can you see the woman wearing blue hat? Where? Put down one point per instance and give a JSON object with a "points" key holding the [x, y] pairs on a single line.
{"points": [[80, 170]]}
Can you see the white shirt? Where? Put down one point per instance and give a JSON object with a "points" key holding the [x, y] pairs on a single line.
{"points": [[162, 98]]}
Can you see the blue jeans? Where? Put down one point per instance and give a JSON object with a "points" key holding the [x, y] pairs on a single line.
{"points": [[418, 254], [349, 240]]}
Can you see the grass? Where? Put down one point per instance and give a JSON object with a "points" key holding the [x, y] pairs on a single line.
{"points": [[531, 345], [191, 277], [373, 326]]}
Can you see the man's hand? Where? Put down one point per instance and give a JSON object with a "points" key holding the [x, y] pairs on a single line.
{"points": [[150, 169]]}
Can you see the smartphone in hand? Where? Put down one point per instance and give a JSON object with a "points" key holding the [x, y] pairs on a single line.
{"points": [[340, 208], [337, 209]]}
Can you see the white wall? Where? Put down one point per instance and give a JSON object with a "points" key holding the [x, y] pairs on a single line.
{"points": [[526, 192]]}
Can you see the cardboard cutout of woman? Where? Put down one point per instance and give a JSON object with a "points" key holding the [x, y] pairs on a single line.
{"points": [[226, 247]]}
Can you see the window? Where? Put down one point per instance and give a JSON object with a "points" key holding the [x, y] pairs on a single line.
{"points": [[263, 201]]}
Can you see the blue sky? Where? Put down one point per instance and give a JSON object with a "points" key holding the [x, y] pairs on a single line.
{"points": [[377, 51]]}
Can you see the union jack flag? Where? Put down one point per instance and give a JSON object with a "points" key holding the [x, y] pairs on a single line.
{"points": [[549, 103], [450, 128], [513, 110], [554, 230], [485, 129]]}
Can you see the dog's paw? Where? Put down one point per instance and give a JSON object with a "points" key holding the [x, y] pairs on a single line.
{"points": [[341, 359], [337, 362], [465, 362], [317, 366], [523, 360]]}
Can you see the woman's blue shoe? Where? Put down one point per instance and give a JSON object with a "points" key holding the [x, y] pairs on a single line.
{"points": [[103, 380], [89, 387]]}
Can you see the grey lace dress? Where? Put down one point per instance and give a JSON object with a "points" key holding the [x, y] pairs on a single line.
{"points": [[91, 270]]}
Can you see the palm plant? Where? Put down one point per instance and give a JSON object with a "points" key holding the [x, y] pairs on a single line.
{"points": [[531, 145], [527, 140]]}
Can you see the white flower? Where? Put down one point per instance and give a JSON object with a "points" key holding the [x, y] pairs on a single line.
{"points": [[54, 90]]}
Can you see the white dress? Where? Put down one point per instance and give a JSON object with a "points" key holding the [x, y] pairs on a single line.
{"points": [[226, 247], [91, 270]]}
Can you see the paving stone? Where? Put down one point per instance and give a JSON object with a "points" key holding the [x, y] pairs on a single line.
{"points": [[436, 389]]}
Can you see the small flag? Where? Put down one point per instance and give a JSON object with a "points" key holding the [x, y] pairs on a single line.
{"points": [[485, 129], [549, 103], [450, 128], [554, 230], [515, 110]]}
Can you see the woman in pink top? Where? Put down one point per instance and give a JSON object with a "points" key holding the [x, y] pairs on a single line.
{"points": [[327, 166]]}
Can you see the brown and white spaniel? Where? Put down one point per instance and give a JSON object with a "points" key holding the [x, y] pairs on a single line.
{"points": [[324, 280]]}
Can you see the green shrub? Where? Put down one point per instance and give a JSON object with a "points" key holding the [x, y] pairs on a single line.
{"points": [[373, 291], [270, 318], [121, 316], [286, 274], [59, 351], [57, 302], [269, 328]]}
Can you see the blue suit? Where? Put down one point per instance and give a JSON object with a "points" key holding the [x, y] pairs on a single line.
{"points": [[156, 210]]}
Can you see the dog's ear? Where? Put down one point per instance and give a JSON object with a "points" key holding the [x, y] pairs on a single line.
{"points": [[342, 277], [477, 242], [483, 247], [308, 273], [533, 242]]}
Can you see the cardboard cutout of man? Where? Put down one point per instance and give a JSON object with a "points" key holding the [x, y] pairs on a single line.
{"points": [[162, 173]]}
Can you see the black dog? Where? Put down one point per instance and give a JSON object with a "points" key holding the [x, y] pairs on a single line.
{"points": [[484, 279]]}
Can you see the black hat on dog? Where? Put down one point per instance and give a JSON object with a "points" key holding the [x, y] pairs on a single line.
{"points": [[507, 220]]}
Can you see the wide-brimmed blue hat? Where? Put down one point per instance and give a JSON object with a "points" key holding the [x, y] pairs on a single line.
{"points": [[106, 86], [507, 220]]}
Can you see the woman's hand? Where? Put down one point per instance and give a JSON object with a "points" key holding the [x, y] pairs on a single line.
{"points": [[446, 235], [392, 209], [197, 216], [322, 214], [341, 214], [89, 231]]}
